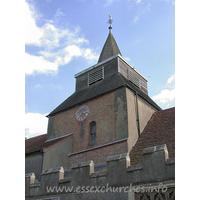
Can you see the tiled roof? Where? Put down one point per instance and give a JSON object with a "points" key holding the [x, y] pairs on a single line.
{"points": [[159, 130], [110, 48], [40, 142], [108, 84], [35, 144]]}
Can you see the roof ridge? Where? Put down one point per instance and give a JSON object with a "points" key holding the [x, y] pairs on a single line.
{"points": [[36, 136], [165, 109]]}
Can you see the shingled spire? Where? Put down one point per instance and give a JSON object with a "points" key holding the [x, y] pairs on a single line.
{"points": [[110, 47]]}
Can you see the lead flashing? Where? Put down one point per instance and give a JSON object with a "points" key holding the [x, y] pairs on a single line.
{"points": [[95, 66], [59, 137], [107, 60], [97, 147]]}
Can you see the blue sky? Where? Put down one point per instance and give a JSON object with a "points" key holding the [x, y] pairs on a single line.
{"points": [[64, 37]]}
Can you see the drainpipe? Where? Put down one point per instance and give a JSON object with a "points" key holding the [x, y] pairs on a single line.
{"points": [[137, 114], [41, 164]]}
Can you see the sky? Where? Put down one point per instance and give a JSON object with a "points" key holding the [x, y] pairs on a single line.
{"points": [[64, 37]]}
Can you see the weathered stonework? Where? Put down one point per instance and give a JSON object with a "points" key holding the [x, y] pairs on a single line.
{"points": [[157, 171]]}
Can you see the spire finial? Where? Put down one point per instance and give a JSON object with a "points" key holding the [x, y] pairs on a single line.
{"points": [[110, 22]]}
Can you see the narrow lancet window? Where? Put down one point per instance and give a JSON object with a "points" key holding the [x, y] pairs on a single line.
{"points": [[92, 133]]}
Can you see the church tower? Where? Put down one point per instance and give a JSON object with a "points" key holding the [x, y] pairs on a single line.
{"points": [[105, 115]]}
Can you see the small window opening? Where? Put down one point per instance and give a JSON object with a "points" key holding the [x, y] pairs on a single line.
{"points": [[92, 133]]}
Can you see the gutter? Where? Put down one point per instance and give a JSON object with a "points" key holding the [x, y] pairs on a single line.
{"points": [[31, 152]]}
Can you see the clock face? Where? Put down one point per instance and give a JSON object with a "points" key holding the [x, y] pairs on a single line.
{"points": [[82, 113]]}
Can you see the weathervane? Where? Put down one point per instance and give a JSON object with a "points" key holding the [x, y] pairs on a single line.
{"points": [[110, 22]]}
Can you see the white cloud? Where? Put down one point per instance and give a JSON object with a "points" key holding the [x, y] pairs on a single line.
{"points": [[48, 35], [167, 1], [57, 37], [35, 124], [171, 81], [59, 46], [38, 86], [135, 19], [59, 13], [142, 10], [80, 40], [47, 54], [87, 53], [65, 55], [166, 98], [38, 64], [137, 1], [73, 50], [146, 8], [109, 2], [32, 32]]}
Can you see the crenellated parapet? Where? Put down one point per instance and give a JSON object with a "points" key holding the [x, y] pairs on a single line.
{"points": [[155, 168]]}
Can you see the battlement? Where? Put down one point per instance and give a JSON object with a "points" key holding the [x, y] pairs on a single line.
{"points": [[156, 167]]}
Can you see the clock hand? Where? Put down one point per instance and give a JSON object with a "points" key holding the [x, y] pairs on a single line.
{"points": [[79, 115]]}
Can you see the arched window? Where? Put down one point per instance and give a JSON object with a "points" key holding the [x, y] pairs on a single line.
{"points": [[92, 133]]}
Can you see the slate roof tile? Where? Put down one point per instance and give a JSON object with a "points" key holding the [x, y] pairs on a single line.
{"points": [[110, 48], [104, 86]]}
